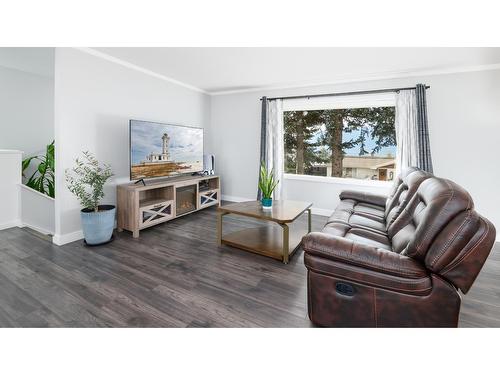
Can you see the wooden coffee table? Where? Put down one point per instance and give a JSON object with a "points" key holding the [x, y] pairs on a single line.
{"points": [[270, 241]]}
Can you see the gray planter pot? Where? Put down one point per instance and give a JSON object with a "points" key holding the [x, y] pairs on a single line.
{"points": [[98, 226]]}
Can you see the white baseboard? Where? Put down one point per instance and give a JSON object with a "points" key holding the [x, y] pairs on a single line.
{"points": [[78, 235], [63, 239], [232, 198], [321, 211], [38, 229], [11, 224]]}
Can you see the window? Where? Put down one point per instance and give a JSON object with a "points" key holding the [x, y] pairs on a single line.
{"points": [[350, 138]]}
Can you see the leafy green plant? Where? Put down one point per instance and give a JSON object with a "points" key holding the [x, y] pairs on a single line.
{"points": [[86, 180], [267, 182], [43, 179]]}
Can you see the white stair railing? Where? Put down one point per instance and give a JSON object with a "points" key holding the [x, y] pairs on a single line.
{"points": [[20, 205], [37, 210]]}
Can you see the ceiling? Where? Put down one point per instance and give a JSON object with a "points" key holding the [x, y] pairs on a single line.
{"points": [[30, 60], [217, 70]]}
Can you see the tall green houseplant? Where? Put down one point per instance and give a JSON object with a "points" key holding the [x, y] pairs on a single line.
{"points": [[86, 180], [43, 178], [267, 184]]}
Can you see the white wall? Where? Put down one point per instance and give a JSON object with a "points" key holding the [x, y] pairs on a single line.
{"points": [[37, 210], [10, 204], [94, 100], [324, 195], [464, 125], [26, 110]]}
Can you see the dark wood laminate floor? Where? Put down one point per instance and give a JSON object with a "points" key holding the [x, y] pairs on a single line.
{"points": [[174, 275]]}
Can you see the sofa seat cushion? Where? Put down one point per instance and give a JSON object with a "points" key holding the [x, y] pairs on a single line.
{"points": [[359, 235], [348, 207], [361, 216], [364, 197], [369, 210], [356, 253], [367, 237], [359, 221]]}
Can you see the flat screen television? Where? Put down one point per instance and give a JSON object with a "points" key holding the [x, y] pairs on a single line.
{"points": [[164, 150]]}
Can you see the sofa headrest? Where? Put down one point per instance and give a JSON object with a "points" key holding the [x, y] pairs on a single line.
{"points": [[436, 202], [440, 228], [406, 190], [399, 180]]}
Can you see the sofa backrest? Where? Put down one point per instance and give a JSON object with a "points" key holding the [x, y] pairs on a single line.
{"points": [[440, 228], [406, 190], [391, 198], [436, 202]]}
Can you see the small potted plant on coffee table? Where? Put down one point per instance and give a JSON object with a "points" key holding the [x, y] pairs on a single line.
{"points": [[267, 184], [86, 181]]}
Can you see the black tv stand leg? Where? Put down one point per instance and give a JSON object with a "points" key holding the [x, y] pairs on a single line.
{"points": [[141, 180]]}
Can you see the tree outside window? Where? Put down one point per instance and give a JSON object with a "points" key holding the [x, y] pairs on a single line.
{"points": [[352, 142]]}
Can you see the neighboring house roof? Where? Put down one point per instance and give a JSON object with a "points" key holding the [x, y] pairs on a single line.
{"points": [[387, 164], [367, 162]]}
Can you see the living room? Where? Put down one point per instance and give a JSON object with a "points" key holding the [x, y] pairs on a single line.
{"points": [[190, 185]]}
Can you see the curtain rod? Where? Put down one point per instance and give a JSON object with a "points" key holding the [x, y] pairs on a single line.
{"points": [[345, 93]]}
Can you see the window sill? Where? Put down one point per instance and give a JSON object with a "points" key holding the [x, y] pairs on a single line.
{"points": [[337, 180]]}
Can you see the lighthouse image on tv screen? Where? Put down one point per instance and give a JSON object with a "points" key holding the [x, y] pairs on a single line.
{"points": [[159, 150]]}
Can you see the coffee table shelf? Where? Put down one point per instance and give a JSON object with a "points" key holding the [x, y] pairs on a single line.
{"points": [[273, 240], [266, 241]]}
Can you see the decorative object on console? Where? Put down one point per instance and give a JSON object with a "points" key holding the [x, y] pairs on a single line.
{"points": [[209, 165], [86, 181], [267, 184]]}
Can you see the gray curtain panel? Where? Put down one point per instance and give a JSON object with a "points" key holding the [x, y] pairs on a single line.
{"points": [[263, 131], [424, 147]]}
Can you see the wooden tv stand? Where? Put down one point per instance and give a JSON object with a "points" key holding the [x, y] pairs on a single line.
{"points": [[142, 206]]}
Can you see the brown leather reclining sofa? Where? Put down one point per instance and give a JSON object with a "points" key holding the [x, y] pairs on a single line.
{"points": [[397, 261]]}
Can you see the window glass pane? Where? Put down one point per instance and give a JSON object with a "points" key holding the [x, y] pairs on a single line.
{"points": [[353, 142]]}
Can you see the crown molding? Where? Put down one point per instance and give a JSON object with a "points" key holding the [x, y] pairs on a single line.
{"points": [[129, 65], [347, 79], [367, 78]]}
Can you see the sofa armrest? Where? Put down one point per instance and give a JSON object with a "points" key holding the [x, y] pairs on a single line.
{"points": [[360, 196], [363, 256]]}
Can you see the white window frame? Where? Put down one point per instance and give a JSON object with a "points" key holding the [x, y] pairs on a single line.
{"points": [[339, 102]]}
